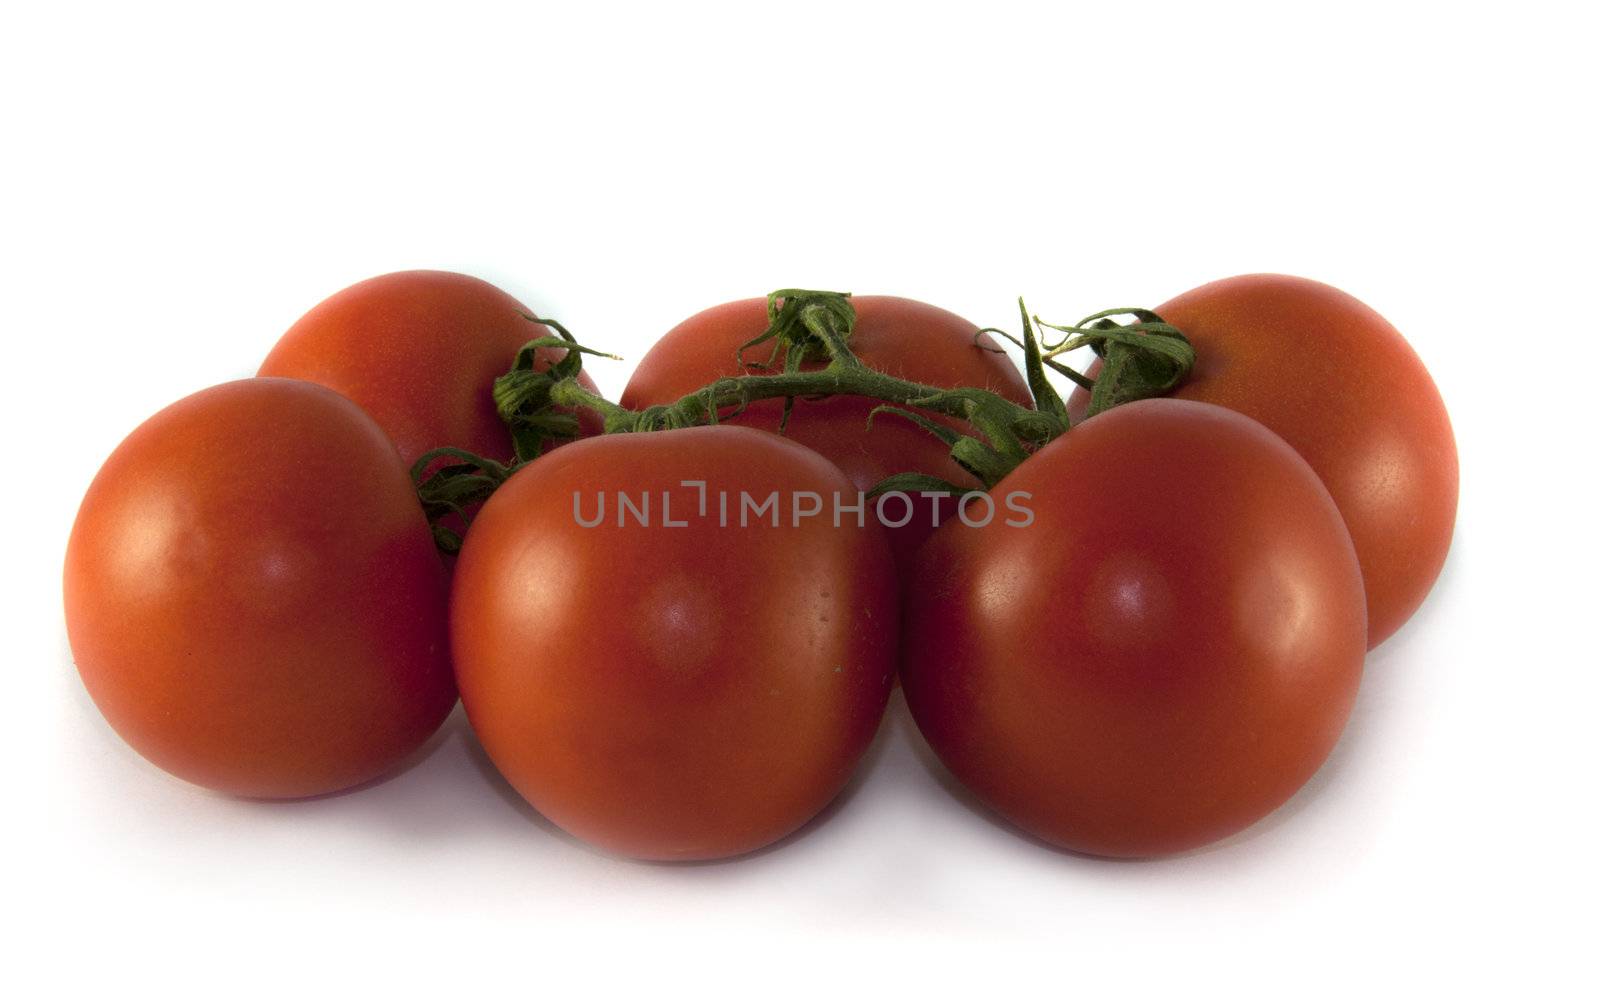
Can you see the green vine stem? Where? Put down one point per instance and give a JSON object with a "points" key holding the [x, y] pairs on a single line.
{"points": [[810, 334]]}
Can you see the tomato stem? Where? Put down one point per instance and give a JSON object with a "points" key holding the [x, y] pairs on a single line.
{"points": [[1145, 358], [806, 325]]}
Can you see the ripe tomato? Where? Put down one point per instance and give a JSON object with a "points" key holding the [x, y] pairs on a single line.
{"points": [[674, 693], [898, 336], [1163, 656], [252, 596], [419, 351], [1334, 379]]}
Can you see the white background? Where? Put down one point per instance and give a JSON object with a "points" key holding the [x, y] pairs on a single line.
{"points": [[180, 183]]}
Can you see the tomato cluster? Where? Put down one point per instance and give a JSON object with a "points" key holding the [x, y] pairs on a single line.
{"points": [[675, 626]]}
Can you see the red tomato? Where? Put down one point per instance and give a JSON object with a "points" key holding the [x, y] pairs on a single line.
{"points": [[252, 595], [674, 693], [908, 339], [1163, 656], [419, 351], [1336, 381]]}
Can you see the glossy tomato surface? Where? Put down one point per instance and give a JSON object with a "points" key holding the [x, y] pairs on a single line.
{"points": [[419, 352], [1163, 656], [898, 336], [252, 595], [667, 692], [1341, 385]]}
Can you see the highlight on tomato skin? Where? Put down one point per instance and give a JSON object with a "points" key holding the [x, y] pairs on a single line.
{"points": [[1164, 656], [1332, 377], [664, 692], [253, 598], [899, 336], [419, 351]]}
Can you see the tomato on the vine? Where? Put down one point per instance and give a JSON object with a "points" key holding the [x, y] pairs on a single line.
{"points": [[1334, 379], [898, 336], [252, 595], [419, 352], [675, 691], [1163, 655]]}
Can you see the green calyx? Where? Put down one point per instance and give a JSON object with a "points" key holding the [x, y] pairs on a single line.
{"points": [[450, 490], [1142, 359]]}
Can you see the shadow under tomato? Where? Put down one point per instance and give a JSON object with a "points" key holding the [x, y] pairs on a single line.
{"points": [[1331, 771], [502, 787], [497, 783], [420, 755], [960, 793], [869, 761]]}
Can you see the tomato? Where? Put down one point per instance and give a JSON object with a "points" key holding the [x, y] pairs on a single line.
{"points": [[1163, 655], [898, 336], [667, 692], [1335, 380], [252, 595], [419, 351]]}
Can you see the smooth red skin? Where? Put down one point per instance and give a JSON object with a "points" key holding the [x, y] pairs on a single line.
{"points": [[253, 598], [673, 693], [419, 352], [1341, 385], [908, 339], [1164, 656]]}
